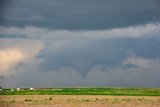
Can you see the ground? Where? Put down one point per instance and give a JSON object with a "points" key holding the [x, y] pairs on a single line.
{"points": [[78, 101]]}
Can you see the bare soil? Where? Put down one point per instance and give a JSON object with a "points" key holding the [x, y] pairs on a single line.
{"points": [[78, 101]]}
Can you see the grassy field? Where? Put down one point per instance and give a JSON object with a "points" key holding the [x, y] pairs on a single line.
{"points": [[86, 91]]}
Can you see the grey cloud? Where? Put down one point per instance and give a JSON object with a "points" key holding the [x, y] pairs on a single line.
{"points": [[83, 50], [84, 14], [33, 32], [12, 36], [107, 52], [1, 77], [147, 47], [119, 76]]}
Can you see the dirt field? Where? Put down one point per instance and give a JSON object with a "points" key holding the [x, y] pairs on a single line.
{"points": [[78, 101]]}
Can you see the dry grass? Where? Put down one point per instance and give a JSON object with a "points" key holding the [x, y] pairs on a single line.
{"points": [[78, 101]]}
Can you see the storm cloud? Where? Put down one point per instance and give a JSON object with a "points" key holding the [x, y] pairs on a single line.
{"points": [[107, 52], [82, 51], [83, 14]]}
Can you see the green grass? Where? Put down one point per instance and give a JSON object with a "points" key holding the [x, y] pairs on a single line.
{"points": [[88, 91]]}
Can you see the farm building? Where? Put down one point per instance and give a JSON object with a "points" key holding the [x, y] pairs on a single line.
{"points": [[31, 89], [18, 89]]}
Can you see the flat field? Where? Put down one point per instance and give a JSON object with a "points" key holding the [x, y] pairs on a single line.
{"points": [[78, 101], [81, 97]]}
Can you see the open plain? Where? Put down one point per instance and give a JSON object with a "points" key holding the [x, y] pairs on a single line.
{"points": [[78, 101]]}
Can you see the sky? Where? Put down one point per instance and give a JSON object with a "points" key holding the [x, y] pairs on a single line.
{"points": [[68, 43]]}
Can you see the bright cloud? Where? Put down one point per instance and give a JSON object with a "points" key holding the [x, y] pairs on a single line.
{"points": [[16, 51], [142, 63], [10, 57]]}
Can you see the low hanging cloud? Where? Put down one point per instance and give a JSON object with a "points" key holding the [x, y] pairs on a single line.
{"points": [[49, 34], [117, 76], [107, 52]]}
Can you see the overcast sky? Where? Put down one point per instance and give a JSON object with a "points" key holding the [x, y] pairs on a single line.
{"points": [[47, 43]]}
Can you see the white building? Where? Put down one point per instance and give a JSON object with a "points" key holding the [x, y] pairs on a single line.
{"points": [[18, 89], [31, 89]]}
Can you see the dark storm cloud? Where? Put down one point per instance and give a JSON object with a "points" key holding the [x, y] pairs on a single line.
{"points": [[82, 14], [12, 36], [108, 52]]}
